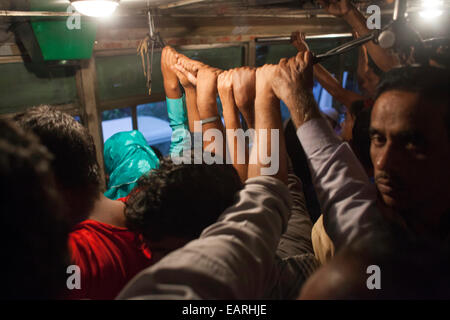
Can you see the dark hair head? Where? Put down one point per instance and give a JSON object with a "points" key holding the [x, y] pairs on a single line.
{"points": [[411, 268], [34, 232], [75, 163], [180, 200], [430, 83], [386, 262], [356, 107], [360, 133]]}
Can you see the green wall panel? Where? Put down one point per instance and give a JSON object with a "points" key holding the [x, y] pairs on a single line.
{"points": [[21, 87], [222, 58], [122, 76]]}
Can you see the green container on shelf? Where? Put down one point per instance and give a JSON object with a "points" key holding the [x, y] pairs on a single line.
{"points": [[59, 38]]}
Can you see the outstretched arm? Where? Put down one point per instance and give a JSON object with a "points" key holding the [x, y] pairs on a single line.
{"points": [[268, 154], [189, 81], [176, 107], [236, 145], [171, 87], [204, 78], [207, 105], [244, 80], [345, 193], [344, 9], [228, 261], [326, 79], [334, 87]]}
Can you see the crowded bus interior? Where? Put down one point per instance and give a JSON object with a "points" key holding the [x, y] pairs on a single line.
{"points": [[225, 150]]}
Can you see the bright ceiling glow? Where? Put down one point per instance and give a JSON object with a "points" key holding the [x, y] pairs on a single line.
{"points": [[96, 8], [431, 9]]}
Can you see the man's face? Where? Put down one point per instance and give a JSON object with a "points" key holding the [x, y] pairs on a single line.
{"points": [[410, 152]]}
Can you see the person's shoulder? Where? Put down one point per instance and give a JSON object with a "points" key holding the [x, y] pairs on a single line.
{"points": [[87, 228]]}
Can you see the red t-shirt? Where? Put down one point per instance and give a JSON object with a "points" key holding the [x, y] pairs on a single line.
{"points": [[108, 257], [124, 199]]}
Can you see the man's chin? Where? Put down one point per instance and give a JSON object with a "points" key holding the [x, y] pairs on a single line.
{"points": [[392, 202]]}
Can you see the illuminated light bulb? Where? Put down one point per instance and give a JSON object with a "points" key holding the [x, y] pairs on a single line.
{"points": [[431, 9], [96, 8]]}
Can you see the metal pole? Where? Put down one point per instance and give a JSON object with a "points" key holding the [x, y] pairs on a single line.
{"points": [[317, 36]]}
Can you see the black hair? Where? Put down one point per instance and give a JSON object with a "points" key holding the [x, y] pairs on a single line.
{"points": [[75, 162], [360, 132], [180, 200], [356, 107], [34, 229], [430, 83]]}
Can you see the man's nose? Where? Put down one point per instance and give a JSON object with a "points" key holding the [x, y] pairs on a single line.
{"points": [[385, 158]]}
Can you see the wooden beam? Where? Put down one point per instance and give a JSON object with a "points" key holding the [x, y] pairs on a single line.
{"points": [[9, 49], [11, 59], [116, 52], [214, 32], [11, 13], [86, 79], [179, 4]]}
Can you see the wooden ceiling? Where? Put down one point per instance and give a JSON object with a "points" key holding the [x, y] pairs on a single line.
{"points": [[215, 21]]}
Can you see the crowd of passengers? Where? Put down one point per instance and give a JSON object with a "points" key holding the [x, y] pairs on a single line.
{"points": [[372, 191]]}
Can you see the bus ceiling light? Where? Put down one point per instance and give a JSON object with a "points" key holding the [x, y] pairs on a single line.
{"points": [[431, 9], [96, 8]]}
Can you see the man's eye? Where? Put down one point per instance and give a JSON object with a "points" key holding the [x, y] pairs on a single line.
{"points": [[415, 147], [377, 139]]}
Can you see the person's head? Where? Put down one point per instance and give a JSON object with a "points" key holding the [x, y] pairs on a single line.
{"points": [[75, 163], [34, 233], [127, 157], [385, 264], [174, 203], [410, 141], [361, 140]]}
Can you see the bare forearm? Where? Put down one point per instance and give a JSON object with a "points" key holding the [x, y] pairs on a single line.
{"points": [[172, 89], [326, 79], [207, 108], [249, 117], [303, 108], [232, 123], [268, 117], [380, 56], [191, 106]]}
